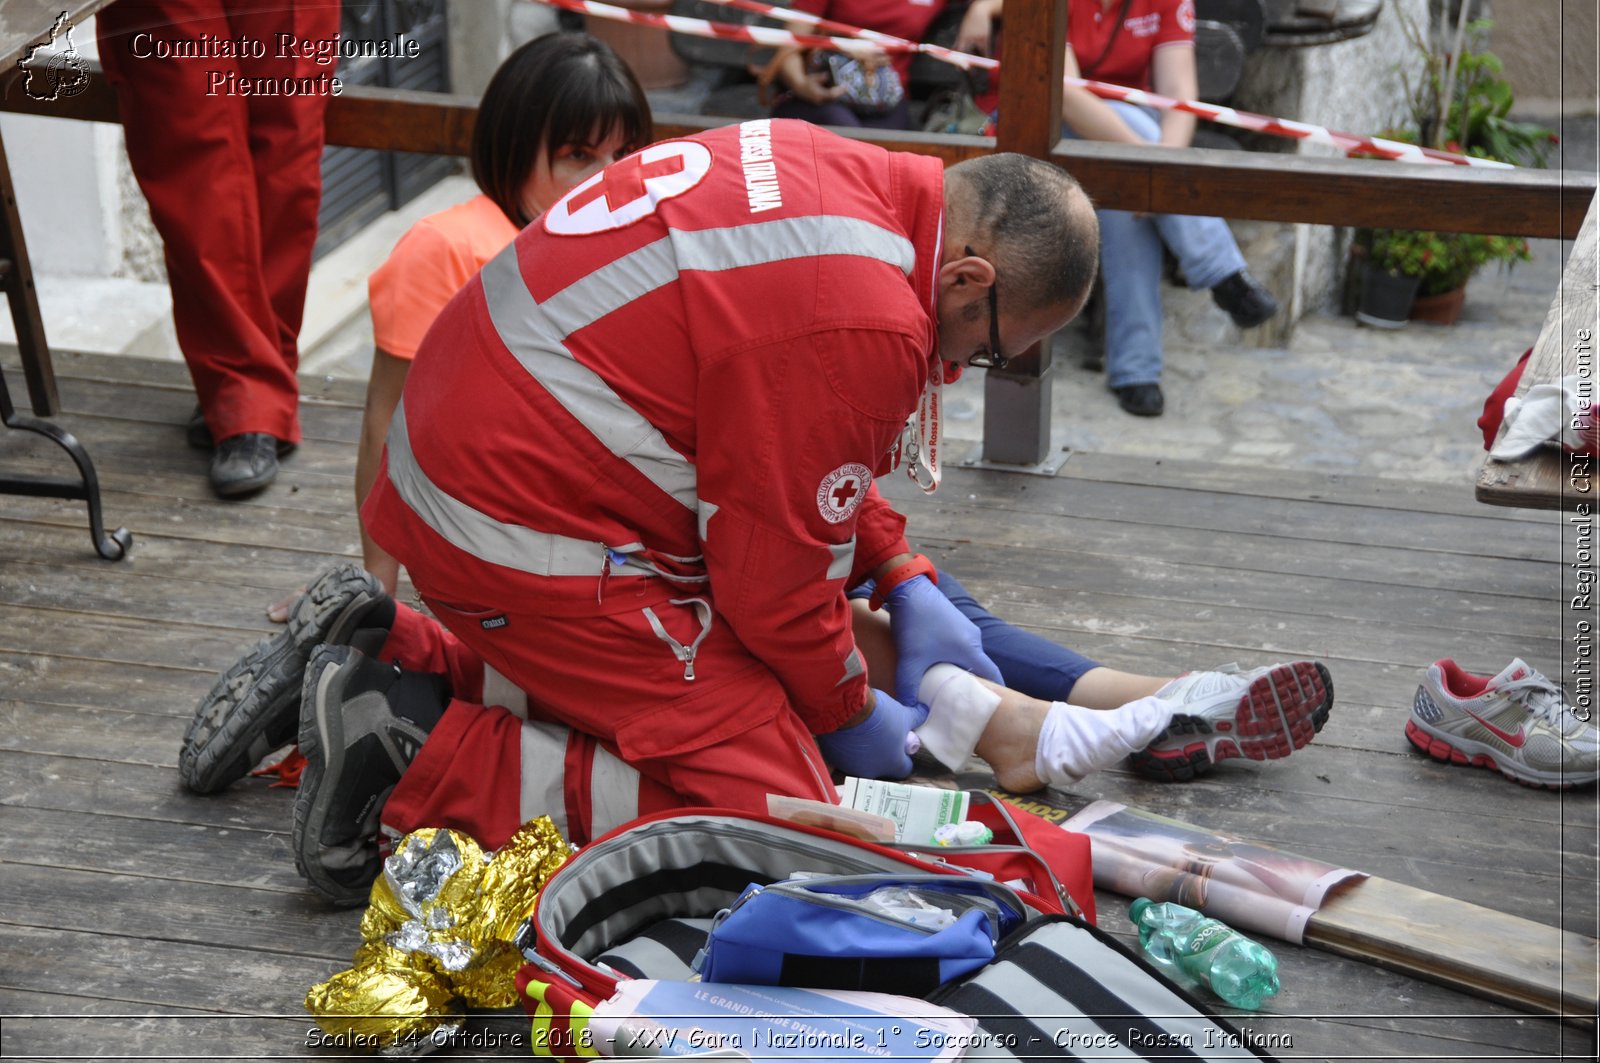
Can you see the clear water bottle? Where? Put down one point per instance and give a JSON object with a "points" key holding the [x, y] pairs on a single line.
{"points": [[1204, 950]]}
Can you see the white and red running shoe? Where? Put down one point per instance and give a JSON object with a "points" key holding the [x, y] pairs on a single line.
{"points": [[1517, 723], [1262, 714]]}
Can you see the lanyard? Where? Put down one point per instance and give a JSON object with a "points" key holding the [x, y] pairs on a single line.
{"points": [[919, 440]]}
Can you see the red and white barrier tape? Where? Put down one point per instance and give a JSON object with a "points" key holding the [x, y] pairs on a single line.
{"points": [[857, 41]]}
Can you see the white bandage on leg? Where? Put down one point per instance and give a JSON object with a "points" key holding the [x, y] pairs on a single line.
{"points": [[959, 708], [1075, 742]]}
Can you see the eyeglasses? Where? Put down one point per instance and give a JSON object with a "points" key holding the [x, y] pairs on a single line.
{"points": [[993, 358]]}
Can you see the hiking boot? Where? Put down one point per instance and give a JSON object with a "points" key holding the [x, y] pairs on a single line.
{"points": [[362, 723], [1245, 299], [253, 709], [1517, 723], [1263, 715]]}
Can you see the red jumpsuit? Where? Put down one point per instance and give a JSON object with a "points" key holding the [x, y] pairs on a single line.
{"points": [[233, 181], [632, 468]]}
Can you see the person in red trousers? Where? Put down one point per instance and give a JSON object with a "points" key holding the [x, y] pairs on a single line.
{"points": [[223, 106]]}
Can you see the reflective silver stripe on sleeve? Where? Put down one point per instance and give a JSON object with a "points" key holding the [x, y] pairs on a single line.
{"points": [[760, 243], [544, 772], [533, 332], [852, 668], [529, 332], [511, 545], [844, 559]]}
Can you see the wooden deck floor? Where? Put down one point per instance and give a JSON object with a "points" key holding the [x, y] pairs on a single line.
{"points": [[141, 921]]}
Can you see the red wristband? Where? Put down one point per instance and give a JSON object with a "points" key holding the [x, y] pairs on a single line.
{"points": [[917, 566]]}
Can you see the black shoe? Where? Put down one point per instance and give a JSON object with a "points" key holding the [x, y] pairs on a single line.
{"points": [[361, 724], [244, 464], [253, 709], [199, 434], [1245, 299], [1141, 400]]}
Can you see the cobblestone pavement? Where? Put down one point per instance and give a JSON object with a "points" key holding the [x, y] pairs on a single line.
{"points": [[1339, 397]]}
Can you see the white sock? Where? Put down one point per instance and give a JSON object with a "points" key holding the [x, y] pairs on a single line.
{"points": [[1075, 742], [959, 708]]}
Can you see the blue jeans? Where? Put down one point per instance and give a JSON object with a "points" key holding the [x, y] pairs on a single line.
{"points": [[1029, 664], [1130, 266]]}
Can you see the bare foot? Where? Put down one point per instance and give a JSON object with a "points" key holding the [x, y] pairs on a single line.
{"points": [[1011, 740], [278, 611]]}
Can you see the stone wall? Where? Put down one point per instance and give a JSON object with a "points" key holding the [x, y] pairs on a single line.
{"points": [[1548, 47], [1356, 86]]}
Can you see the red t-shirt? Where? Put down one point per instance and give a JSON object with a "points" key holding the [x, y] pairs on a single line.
{"points": [[1150, 24], [899, 18]]}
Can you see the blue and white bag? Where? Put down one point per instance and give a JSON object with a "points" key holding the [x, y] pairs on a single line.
{"points": [[911, 932]]}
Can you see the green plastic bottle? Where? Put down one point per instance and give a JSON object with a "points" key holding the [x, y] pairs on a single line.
{"points": [[1207, 951]]}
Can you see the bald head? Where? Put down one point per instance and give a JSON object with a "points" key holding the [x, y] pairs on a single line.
{"points": [[1032, 220]]}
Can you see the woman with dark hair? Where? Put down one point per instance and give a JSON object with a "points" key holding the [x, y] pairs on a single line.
{"points": [[556, 111]]}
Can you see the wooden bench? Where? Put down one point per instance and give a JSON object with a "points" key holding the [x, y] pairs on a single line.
{"points": [[1549, 478]]}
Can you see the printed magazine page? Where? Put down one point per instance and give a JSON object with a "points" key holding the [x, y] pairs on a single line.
{"points": [[1251, 887], [671, 1018]]}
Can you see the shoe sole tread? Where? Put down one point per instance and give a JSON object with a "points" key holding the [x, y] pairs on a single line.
{"points": [[216, 749], [1281, 711]]}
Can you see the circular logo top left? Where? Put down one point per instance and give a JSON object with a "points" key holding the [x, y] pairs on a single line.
{"points": [[630, 189]]}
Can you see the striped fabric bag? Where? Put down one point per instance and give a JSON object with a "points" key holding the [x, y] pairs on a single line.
{"points": [[1061, 989]]}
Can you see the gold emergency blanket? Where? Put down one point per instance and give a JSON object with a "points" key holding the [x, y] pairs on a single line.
{"points": [[437, 938]]}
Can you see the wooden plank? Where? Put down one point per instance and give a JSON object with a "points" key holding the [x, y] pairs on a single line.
{"points": [[1199, 512], [92, 400], [157, 906], [1491, 953], [162, 974], [56, 633], [241, 857], [121, 790], [1549, 479], [1265, 481], [1503, 957], [137, 687]]}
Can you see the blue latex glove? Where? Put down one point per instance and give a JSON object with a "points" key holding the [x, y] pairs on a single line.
{"points": [[875, 748], [928, 630]]}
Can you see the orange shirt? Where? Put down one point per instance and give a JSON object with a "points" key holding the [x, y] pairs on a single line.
{"points": [[432, 261]]}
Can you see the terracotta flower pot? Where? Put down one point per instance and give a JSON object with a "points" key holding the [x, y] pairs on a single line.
{"points": [[1441, 309]]}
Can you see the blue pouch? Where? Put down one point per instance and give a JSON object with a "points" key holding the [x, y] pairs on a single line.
{"points": [[821, 933]]}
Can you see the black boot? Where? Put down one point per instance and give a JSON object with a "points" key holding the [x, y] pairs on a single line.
{"points": [[1245, 299], [361, 724], [253, 709]]}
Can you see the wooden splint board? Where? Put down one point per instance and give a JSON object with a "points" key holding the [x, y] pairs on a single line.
{"points": [[1502, 957]]}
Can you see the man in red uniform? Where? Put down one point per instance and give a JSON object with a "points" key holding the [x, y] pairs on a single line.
{"points": [[222, 105], [633, 465]]}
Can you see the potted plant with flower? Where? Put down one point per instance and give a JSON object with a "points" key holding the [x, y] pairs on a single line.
{"points": [[1460, 102]]}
